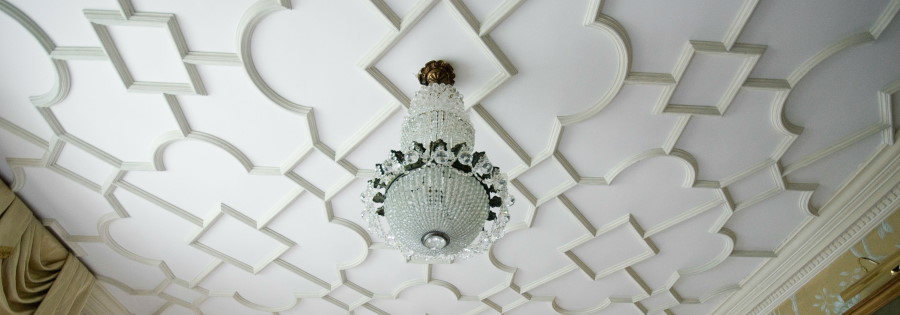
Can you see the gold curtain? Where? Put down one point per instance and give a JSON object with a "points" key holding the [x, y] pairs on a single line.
{"points": [[37, 273]]}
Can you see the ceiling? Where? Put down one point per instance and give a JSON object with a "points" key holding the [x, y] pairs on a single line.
{"points": [[207, 156]]}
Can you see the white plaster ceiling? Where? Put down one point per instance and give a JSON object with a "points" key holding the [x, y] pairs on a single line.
{"points": [[661, 150]]}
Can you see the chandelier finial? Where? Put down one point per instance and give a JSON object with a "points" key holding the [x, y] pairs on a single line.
{"points": [[436, 71]]}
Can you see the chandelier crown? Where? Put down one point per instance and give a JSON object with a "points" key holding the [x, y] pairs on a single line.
{"points": [[436, 71], [437, 200]]}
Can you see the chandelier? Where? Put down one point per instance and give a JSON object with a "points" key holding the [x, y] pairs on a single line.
{"points": [[436, 200]]}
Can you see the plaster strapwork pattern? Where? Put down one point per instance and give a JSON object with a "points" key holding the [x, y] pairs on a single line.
{"points": [[648, 143]]}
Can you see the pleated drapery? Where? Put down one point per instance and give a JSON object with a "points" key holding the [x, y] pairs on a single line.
{"points": [[37, 274]]}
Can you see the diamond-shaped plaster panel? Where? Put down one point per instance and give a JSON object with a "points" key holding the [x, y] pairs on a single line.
{"points": [[621, 245], [440, 33], [708, 77], [148, 53], [721, 70], [101, 21], [229, 237]]}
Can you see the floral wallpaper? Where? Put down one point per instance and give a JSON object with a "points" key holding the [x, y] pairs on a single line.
{"points": [[821, 295]]}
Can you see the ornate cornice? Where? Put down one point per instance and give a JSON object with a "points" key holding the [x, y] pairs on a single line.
{"points": [[864, 201]]}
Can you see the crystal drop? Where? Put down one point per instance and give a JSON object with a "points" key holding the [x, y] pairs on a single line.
{"points": [[465, 158], [391, 166], [500, 184], [484, 166], [441, 156], [512, 200], [412, 157], [362, 197]]}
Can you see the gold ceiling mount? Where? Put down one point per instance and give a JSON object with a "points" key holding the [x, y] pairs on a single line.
{"points": [[436, 71]]}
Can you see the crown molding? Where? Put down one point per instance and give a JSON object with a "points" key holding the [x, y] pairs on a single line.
{"points": [[863, 202]]}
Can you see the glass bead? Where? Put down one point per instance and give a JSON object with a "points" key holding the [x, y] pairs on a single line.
{"points": [[390, 166], [500, 184], [465, 158], [441, 156], [412, 157], [484, 166]]}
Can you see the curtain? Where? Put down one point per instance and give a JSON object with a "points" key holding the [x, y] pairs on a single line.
{"points": [[37, 273]]}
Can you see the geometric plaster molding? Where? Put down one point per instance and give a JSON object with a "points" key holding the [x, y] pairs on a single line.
{"points": [[246, 26], [815, 256], [62, 83], [100, 19], [479, 32], [263, 262], [622, 43], [595, 19], [100, 301], [750, 55]]}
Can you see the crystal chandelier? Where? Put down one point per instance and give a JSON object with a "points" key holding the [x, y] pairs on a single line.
{"points": [[436, 200]]}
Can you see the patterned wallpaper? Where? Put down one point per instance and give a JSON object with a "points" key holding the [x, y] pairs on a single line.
{"points": [[822, 294]]}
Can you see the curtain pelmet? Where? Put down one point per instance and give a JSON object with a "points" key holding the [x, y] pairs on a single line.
{"points": [[37, 273]]}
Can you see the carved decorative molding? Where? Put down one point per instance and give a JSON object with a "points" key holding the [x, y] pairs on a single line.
{"points": [[552, 167]]}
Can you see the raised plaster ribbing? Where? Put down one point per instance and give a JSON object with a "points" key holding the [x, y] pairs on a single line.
{"points": [[481, 32]]}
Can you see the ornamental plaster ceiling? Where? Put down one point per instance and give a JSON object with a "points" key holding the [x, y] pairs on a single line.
{"points": [[207, 156]]}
